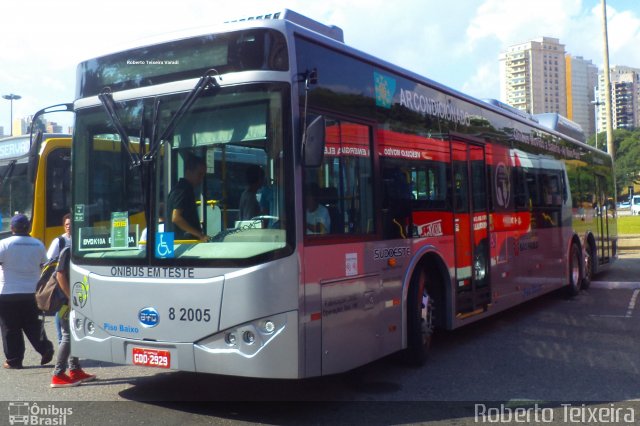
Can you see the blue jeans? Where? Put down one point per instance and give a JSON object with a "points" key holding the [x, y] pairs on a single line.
{"points": [[64, 349], [56, 321]]}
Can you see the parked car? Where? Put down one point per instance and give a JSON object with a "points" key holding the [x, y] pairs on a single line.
{"points": [[635, 204], [623, 205]]}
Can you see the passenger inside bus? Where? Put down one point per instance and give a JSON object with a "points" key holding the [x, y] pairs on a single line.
{"points": [[249, 205], [317, 216]]}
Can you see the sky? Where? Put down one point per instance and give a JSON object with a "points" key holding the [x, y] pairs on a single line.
{"points": [[456, 42]]}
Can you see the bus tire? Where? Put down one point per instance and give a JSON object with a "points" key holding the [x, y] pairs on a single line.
{"points": [[420, 306], [588, 266], [575, 272]]}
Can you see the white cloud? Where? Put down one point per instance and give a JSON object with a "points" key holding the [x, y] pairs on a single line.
{"points": [[454, 42], [483, 82], [624, 37], [511, 22]]}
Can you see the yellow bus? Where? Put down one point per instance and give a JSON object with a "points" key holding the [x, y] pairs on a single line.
{"points": [[35, 179]]}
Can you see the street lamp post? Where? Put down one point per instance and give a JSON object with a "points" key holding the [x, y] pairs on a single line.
{"points": [[607, 82], [11, 97], [596, 105]]}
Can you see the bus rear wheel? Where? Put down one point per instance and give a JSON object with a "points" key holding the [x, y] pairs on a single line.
{"points": [[588, 266], [575, 272], [419, 319]]}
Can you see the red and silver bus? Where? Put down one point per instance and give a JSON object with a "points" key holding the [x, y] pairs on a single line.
{"points": [[389, 205]]}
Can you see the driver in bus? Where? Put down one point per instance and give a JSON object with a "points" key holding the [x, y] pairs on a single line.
{"points": [[182, 202]]}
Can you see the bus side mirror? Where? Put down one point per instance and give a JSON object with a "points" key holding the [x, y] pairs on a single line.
{"points": [[313, 142], [34, 150]]}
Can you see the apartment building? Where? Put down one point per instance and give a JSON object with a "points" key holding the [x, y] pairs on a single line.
{"points": [[582, 78], [533, 76], [625, 98]]}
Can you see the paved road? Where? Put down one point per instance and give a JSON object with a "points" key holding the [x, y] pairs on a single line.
{"points": [[552, 350]]}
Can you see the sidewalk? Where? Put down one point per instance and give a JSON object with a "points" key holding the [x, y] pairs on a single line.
{"points": [[628, 242]]}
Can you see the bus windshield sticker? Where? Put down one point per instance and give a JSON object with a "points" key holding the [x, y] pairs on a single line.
{"points": [[164, 245], [78, 213], [119, 229], [99, 238]]}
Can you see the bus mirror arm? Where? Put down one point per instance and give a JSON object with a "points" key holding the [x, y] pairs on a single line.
{"points": [[313, 133], [34, 144], [47, 110]]}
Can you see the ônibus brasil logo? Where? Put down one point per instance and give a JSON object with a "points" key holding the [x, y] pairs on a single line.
{"points": [[32, 413]]}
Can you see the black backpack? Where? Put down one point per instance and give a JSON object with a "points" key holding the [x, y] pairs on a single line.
{"points": [[49, 296]]}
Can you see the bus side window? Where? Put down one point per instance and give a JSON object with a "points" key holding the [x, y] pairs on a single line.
{"points": [[344, 178], [521, 197], [460, 190]]}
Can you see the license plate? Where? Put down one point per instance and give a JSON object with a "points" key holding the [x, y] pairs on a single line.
{"points": [[151, 357]]}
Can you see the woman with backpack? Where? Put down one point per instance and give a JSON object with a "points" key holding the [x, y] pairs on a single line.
{"points": [[76, 375]]}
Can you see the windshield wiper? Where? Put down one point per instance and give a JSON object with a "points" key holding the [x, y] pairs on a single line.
{"points": [[206, 82], [106, 98], [8, 172]]}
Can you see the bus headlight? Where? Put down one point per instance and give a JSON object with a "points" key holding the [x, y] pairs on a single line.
{"points": [[78, 323], [248, 337], [230, 339], [268, 327], [245, 339], [91, 327]]}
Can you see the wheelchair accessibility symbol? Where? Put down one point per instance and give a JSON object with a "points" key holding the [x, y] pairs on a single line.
{"points": [[164, 245]]}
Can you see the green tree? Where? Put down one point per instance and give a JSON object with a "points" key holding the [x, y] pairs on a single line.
{"points": [[627, 156]]}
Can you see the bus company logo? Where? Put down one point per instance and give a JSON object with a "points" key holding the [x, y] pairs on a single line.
{"points": [[149, 317], [502, 185], [80, 293], [431, 229], [28, 413], [385, 88]]}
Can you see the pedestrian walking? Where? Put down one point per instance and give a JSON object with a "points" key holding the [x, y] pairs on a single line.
{"points": [[76, 375], [21, 258]]}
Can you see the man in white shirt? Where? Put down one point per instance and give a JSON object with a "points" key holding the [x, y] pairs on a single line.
{"points": [[55, 248], [21, 257]]}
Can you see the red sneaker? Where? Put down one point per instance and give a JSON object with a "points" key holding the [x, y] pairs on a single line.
{"points": [[81, 376], [63, 381]]}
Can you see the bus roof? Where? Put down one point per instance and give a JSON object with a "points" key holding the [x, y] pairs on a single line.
{"points": [[292, 22]]}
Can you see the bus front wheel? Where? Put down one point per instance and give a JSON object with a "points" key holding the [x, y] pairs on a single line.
{"points": [[419, 319]]}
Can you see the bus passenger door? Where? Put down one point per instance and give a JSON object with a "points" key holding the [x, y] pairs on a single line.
{"points": [[473, 292], [602, 221]]}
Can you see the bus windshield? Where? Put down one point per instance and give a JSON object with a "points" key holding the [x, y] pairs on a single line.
{"points": [[16, 191], [213, 189]]}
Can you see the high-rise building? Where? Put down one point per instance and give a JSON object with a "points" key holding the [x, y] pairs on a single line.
{"points": [[625, 98], [582, 79], [532, 76]]}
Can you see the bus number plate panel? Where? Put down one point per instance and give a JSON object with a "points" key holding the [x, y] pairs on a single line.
{"points": [[151, 357]]}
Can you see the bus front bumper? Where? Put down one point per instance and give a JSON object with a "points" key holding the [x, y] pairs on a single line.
{"points": [[267, 347]]}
